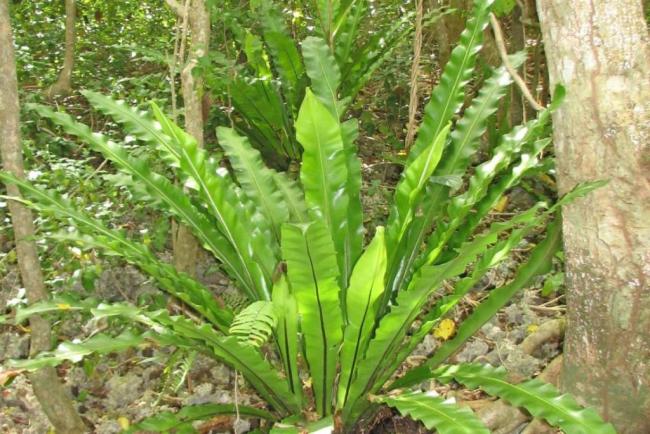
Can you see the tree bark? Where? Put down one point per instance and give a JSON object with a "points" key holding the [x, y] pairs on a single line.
{"points": [[186, 248], [63, 84], [49, 391], [599, 50]]}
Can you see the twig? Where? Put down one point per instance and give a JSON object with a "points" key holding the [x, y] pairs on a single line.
{"points": [[544, 309], [84, 180], [415, 72], [503, 53]]}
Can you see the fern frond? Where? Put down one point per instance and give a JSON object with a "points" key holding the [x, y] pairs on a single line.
{"points": [[539, 398], [463, 143], [324, 73], [183, 420], [447, 97], [324, 174], [256, 179], [366, 287], [160, 190], [254, 324], [286, 311], [313, 273], [177, 284], [249, 236], [436, 412]]}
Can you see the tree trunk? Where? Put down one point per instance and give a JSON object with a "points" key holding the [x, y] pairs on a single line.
{"points": [[186, 248], [63, 85], [49, 391], [599, 50]]}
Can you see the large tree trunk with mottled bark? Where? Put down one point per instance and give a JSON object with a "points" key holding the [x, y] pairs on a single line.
{"points": [[186, 248], [63, 84], [49, 391], [599, 50]]}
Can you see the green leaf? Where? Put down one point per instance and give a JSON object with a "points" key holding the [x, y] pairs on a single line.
{"points": [[354, 239], [313, 274], [366, 286], [358, 63], [324, 174], [484, 193], [177, 284], [283, 52], [328, 10], [383, 354], [460, 207], [503, 7], [56, 305], [456, 158], [184, 333], [492, 256], [160, 190], [254, 324], [447, 98], [324, 73], [539, 262], [75, 352], [346, 32], [552, 284], [256, 179], [540, 399], [325, 77], [247, 234], [435, 412], [286, 311], [138, 123], [465, 225], [260, 104], [255, 55], [409, 189], [292, 196], [166, 421], [295, 425]]}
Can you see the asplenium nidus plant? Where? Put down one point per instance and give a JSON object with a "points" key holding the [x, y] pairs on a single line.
{"points": [[329, 322]]}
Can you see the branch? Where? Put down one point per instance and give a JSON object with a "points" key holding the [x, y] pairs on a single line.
{"points": [[176, 7], [503, 53], [415, 70]]}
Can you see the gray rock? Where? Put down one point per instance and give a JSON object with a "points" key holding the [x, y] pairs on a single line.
{"points": [[493, 332], [202, 394], [123, 283], [473, 350], [123, 390], [514, 359], [241, 426], [108, 427], [426, 347], [13, 346], [220, 375]]}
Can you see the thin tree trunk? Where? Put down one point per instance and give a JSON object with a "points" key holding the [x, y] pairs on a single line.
{"points": [[49, 391], [186, 248], [411, 127], [599, 50], [63, 84]]}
